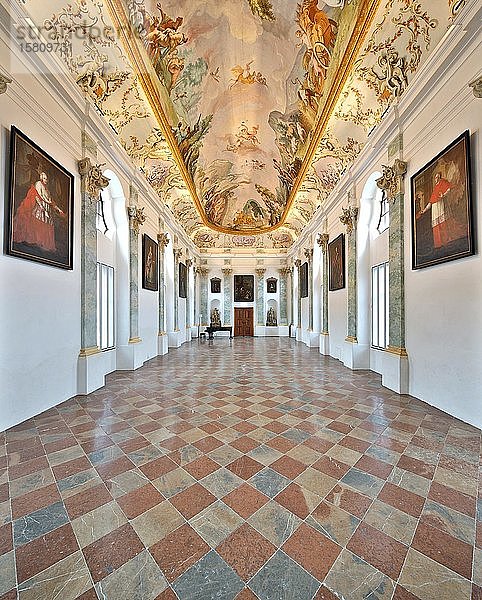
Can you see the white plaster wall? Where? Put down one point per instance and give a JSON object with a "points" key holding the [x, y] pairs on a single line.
{"points": [[39, 304]]}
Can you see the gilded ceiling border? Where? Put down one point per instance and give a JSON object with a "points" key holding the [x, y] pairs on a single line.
{"points": [[148, 79]]}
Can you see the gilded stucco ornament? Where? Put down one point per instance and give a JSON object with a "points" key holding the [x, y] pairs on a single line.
{"points": [[392, 179], [136, 217], [285, 271], [202, 271], [163, 239], [260, 272], [322, 241], [4, 81], [349, 217], [92, 178], [308, 252], [188, 263], [177, 252], [476, 86], [227, 271]]}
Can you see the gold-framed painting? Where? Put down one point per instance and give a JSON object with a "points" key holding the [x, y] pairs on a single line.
{"points": [[244, 288], [336, 263], [182, 280], [150, 264], [441, 203], [39, 220]]}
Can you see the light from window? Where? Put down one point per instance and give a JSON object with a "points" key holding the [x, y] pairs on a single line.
{"points": [[101, 223], [105, 307], [380, 305], [384, 220]]}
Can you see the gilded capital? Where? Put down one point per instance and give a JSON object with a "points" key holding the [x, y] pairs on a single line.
{"points": [[177, 254], [188, 263], [285, 271], [392, 179], [203, 271], [163, 239], [308, 252], [349, 218], [227, 271], [298, 263], [322, 241], [4, 81], [260, 272], [93, 181], [136, 217], [476, 86]]}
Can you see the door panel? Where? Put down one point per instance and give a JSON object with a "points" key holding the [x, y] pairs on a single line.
{"points": [[243, 322]]}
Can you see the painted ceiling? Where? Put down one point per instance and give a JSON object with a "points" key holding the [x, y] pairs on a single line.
{"points": [[243, 116]]}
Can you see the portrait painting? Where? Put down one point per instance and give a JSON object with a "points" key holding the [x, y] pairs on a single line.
{"points": [[215, 285], [150, 264], [442, 227], [271, 285], [304, 280], [182, 280], [39, 220], [336, 263], [244, 288]]}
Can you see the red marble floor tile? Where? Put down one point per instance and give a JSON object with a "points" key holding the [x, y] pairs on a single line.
{"points": [[30, 466], [178, 551], [318, 444], [276, 427], [244, 444], [98, 443], [246, 551], [134, 444], [353, 502], [390, 444], [478, 536], [208, 444], [179, 427], [444, 548], [245, 500], [83, 428], [192, 501], [28, 503], [201, 467], [272, 413], [293, 498], [66, 442], [114, 467], [246, 594], [148, 427], [167, 594], [244, 427], [11, 595], [376, 467], [116, 427], [24, 454], [112, 551], [138, 501], [281, 444], [6, 540], [88, 595], [416, 466], [378, 549], [289, 467], [401, 426], [212, 427], [330, 466], [340, 427], [458, 466], [245, 467], [85, 501], [325, 594], [476, 592], [402, 499], [158, 467], [354, 443], [402, 594], [452, 498], [312, 550], [45, 551], [173, 443], [71, 467]]}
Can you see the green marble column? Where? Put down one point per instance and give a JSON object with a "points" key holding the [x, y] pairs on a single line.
{"points": [[283, 295], [136, 219], [228, 295], [323, 239], [188, 295], [163, 240], [298, 267], [391, 183], [177, 252], [349, 219], [203, 273], [260, 316], [92, 183], [309, 257]]}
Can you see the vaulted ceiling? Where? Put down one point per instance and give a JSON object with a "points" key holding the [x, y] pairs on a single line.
{"points": [[243, 116]]}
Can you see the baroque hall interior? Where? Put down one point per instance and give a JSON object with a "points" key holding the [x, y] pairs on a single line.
{"points": [[240, 299]]}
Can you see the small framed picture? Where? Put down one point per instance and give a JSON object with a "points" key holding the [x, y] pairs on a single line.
{"points": [[150, 264], [336, 263]]}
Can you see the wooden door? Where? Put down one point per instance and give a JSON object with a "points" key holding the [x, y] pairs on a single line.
{"points": [[243, 322]]}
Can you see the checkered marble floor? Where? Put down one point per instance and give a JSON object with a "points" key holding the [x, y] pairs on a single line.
{"points": [[247, 469]]}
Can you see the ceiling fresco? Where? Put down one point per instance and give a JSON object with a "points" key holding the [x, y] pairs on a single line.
{"points": [[243, 121]]}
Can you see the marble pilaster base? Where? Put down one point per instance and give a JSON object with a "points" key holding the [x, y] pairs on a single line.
{"points": [[324, 344], [92, 369], [355, 355], [162, 344], [187, 334], [175, 339], [265, 331], [131, 356], [311, 338], [395, 372], [299, 334]]}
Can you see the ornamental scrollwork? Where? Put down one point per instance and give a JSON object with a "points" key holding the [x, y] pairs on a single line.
{"points": [[476, 86], [136, 217], [392, 179], [322, 241], [349, 218], [163, 239], [92, 178], [4, 81], [260, 272]]}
